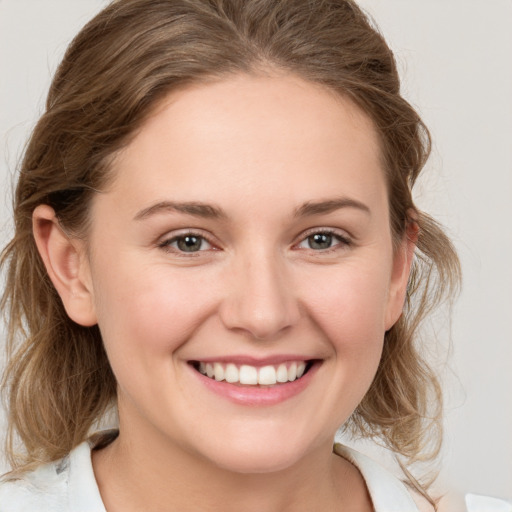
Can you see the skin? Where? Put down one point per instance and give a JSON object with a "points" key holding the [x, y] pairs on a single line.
{"points": [[257, 148]]}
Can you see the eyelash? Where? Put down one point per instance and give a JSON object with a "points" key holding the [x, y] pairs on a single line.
{"points": [[343, 241], [166, 244]]}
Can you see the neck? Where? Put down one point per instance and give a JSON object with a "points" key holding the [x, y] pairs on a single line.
{"points": [[147, 472]]}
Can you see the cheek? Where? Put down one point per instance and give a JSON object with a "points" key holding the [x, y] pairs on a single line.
{"points": [[347, 306], [350, 305], [151, 310]]}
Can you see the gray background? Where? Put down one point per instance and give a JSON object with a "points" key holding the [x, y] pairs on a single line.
{"points": [[455, 57]]}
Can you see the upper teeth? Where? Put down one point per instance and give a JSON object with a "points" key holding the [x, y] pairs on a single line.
{"points": [[252, 375]]}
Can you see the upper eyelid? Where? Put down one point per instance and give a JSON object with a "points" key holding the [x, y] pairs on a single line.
{"points": [[332, 231], [344, 241], [171, 237], [178, 233]]}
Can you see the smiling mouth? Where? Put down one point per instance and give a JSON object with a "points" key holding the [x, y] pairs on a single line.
{"points": [[248, 375]]}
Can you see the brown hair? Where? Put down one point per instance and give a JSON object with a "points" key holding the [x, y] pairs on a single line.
{"points": [[129, 56]]}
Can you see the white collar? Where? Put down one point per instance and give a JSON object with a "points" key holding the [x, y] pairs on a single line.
{"points": [[387, 492]]}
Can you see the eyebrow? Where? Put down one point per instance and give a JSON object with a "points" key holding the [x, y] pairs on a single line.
{"points": [[195, 208], [208, 211], [328, 206]]}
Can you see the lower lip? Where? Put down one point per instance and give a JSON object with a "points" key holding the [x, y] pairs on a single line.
{"points": [[258, 395]]}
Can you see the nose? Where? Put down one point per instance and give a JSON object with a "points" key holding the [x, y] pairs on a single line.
{"points": [[260, 301]]}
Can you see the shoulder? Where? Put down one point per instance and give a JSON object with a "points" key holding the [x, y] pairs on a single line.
{"points": [[386, 490], [66, 485], [388, 493], [43, 489], [421, 502], [478, 503]]}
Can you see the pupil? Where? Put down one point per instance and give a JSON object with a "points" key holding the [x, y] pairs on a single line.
{"points": [[320, 241], [189, 243]]}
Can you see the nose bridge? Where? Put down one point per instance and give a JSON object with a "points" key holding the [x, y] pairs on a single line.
{"points": [[261, 299]]}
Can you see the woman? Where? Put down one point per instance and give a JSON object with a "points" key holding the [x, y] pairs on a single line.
{"points": [[215, 233]]}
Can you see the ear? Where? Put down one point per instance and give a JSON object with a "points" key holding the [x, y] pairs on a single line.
{"points": [[67, 265], [402, 261]]}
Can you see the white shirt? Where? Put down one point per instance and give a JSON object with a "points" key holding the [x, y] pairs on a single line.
{"points": [[68, 485]]}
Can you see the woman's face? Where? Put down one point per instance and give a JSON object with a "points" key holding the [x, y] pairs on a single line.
{"points": [[245, 235]]}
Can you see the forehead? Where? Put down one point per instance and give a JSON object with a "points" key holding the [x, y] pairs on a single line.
{"points": [[244, 132]]}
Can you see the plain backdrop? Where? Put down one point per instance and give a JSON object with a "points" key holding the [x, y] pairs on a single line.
{"points": [[455, 57]]}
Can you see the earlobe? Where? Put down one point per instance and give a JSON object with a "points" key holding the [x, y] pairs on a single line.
{"points": [[402, 262], [64, 259]]}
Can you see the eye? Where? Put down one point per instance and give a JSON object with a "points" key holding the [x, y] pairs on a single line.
{"points": [[188, 243], [323, 240]]}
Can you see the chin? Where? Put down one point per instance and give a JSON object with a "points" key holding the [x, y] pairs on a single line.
{"points": [[254, 457], [256, 463]]}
